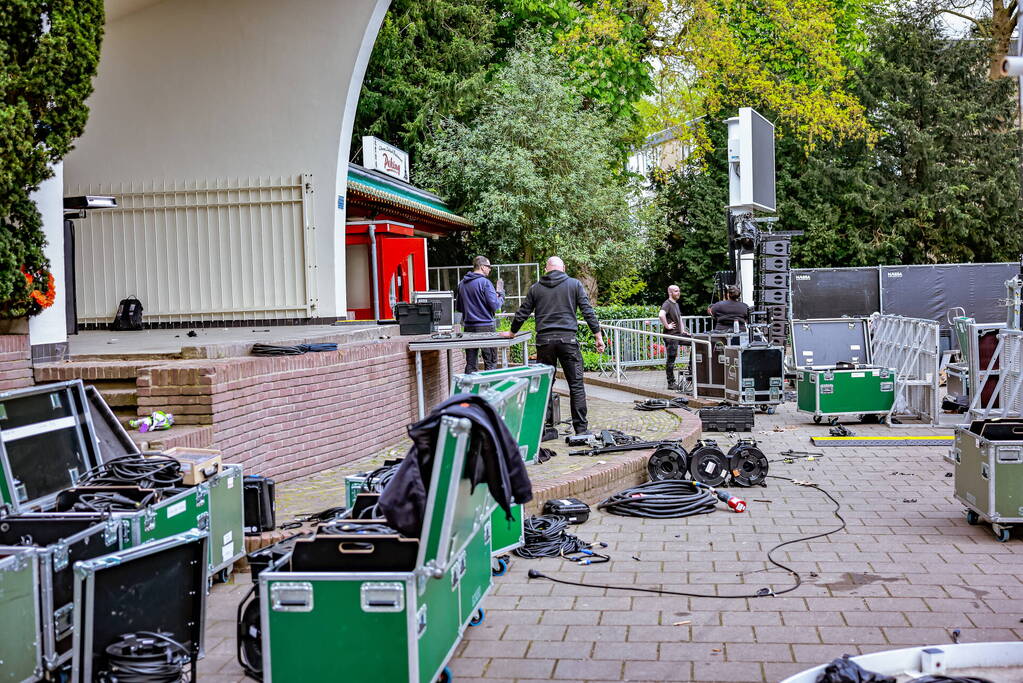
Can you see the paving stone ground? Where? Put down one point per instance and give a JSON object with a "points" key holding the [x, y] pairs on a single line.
{"points": [[906, 571]]}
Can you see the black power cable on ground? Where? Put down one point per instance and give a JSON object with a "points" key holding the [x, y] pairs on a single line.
{"points": [[145, 657], [660, 500], [760, 593]]}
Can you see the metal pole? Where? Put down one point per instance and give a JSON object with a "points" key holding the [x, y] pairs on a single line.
{"points": [[419, 384], [618, 354], [375, 270]]}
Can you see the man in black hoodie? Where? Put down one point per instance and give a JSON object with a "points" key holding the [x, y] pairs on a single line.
{"points": [[555, 299], [478, 301]]}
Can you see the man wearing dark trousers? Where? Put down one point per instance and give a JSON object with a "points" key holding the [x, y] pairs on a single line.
{"points": [[671, 321], [554, 299], [478, 301]]}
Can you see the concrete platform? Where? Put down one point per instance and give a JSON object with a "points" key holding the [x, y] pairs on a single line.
{"points": [[217, 342]]}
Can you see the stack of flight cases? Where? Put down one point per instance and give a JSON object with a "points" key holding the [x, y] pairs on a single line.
{"points": [[773, 294], [834, 376], [988, 460], [745, 374], [397, 605], [48, 442]]}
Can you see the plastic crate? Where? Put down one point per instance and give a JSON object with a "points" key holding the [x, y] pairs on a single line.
{"points": [[727, 419]]}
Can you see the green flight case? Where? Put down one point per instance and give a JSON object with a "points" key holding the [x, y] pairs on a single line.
{"points": [[227, 520], [988, 460], [60, 540], [21, 651], [832, 393], [508, 535], [390, 617]]}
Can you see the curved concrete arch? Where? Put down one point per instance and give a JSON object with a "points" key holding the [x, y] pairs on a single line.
{"points": [[193, 91]]}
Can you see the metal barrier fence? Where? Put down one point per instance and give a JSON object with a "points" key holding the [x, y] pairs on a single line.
{"points": [[911, 347], [647, 348], [640, 350], [517, 279], [1007, 365]]}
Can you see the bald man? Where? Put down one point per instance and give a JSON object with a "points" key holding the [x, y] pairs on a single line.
{"points": [[671, 321], [555, 299]]}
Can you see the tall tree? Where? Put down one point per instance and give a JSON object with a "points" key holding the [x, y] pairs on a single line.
{"points": [[790, 57], [49, 50], [537, 171], [431, 61]]}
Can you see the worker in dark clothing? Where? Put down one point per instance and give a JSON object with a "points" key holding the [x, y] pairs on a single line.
{"points": [[478, 301], [555, 299], [671, 321], [730, 310]]}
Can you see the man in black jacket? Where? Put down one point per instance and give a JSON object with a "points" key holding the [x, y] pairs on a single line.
{"points": [[555, 299]]}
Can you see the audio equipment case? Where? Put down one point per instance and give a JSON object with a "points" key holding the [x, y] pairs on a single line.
{"points": [[754, 375], [21, 648], [159, 587], [988, 461], [59, 542], [402, 622], [526, 425]]}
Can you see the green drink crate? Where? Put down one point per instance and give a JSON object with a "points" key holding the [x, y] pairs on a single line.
{"points": [[60, 540], [988, 460], [866, 390], [509, 535], [20, 643], [354, 485], [399, 616]]}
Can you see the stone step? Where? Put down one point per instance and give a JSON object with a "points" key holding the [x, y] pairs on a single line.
{"points": [[91, 372], [120, 398]]}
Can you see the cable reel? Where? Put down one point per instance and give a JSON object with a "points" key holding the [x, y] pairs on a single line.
{"points": [[747, 463], [708, 464], [669, 462]]}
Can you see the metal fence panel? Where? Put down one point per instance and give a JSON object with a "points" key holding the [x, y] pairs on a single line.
{"points": [[518, 277]]}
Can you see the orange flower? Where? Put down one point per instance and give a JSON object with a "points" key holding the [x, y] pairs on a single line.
{"points": [[41, 299]]}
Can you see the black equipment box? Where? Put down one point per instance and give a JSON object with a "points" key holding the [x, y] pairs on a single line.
{"points": [[572, 509], [777, 313], [259, 504], [727, 419], [710, 367], [775, 264], [415, 318], [754, 374], [775, 247], [158, 587]]}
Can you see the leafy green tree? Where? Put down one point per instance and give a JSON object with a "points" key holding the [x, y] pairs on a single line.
{"points": [[790, 57], [49, 50], [431, 61], [537, 171], [939, 186]]}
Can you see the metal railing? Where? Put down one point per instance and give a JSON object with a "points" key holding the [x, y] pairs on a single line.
{"points": [[912, 348], [517, 279], [1007, 365], [637, 351], [634, 347]]}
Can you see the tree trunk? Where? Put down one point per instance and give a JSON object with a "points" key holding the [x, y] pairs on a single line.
{"points": [[1003, 22]]}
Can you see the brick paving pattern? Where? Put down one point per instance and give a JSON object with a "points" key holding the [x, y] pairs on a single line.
{"points": [[907, 571]]}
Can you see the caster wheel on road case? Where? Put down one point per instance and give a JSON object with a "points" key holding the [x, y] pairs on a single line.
{"points": [[1002, 533], [445, 676], [833, 421], [499, 566], [770, 410], [816, 419], [972, 517], [223, 576], [478, 618]]}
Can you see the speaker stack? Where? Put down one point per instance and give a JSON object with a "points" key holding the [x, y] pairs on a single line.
{"points": [[773, 294]]}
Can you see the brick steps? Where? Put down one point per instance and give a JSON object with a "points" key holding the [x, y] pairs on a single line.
{"points": [[91, 372], [127, 399]]}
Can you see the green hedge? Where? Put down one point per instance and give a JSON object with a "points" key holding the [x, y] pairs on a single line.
{"points": [[591, 359]]}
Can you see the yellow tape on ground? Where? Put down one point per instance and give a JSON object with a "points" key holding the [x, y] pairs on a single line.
{"points": [[883, 438]]}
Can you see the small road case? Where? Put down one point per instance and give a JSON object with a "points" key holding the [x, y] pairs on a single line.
{"points": [[388, 616], [754, 375], [988, 460], [21, 648]]}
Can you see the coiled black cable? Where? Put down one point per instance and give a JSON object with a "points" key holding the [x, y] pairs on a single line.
{"points": [[148, 472], [342, 527], [545, 536], [145, 657], [379, 478], [110, 501], [660, 500]]}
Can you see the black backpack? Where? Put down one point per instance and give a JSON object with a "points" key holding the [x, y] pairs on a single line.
{"points": [[128, 316]]}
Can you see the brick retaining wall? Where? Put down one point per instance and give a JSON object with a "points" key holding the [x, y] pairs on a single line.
{"points": [[15, 362], [291, 416]]}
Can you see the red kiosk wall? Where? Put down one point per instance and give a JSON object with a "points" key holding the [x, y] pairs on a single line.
{"points": [[393, 254]]}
